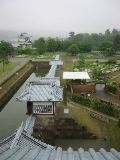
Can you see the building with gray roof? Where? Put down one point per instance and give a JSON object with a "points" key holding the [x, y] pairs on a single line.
{"points": [[41, 96]]}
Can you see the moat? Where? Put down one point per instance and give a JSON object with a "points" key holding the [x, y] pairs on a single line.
{"points": [[14, 112]]}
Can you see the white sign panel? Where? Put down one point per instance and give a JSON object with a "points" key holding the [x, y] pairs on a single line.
{"points": [[66, 110]]}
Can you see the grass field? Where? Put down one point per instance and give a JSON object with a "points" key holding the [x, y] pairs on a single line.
{"points": [[38, 56], [12, 80], [117, 79], [7, 68], [82, 116], [115, 76], [114, 134]]}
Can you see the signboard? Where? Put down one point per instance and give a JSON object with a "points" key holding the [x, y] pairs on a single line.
{"points": [[66, 110]]}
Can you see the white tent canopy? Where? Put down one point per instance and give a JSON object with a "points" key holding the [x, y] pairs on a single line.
{"points": [[75, 75]]}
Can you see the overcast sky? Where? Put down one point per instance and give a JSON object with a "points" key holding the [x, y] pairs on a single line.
{"points": [[60, 16]]}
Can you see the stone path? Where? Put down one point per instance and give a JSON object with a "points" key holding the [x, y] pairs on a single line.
{"points": [[108, 97]]}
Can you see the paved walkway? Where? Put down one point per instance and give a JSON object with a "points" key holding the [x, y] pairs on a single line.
{"points": [[7, 75], [108, 98]]}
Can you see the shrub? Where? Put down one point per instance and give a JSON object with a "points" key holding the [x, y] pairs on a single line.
{"points": [[104, 107], [81, 99], [112, 88], [111, 61]]}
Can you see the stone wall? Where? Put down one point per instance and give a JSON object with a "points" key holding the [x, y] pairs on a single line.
{"points": [[8, 93], [41, 64], [60, 128], [83, 88], [14, 87], [118, 93]]}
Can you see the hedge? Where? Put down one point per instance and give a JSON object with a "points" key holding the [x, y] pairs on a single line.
{"points": [[112, 88], [96, 104]]}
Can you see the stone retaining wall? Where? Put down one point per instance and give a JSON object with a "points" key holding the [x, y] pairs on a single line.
{"points": [[84, 88], [8, 93], [41, 64]]}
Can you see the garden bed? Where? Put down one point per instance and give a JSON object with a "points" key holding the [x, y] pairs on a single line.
{"points": [[96, 104]]}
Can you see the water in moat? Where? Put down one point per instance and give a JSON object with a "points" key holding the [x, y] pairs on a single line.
{"points": [[14, 112]]}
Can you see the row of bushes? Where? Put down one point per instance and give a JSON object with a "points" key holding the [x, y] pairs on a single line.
{"points": [[104, 107]]}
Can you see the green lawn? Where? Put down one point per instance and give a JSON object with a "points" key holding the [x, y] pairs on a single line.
{"points": [[117, 79], [115, 76], [82, 116], [7, 68], [114, 134], [109, 130], [38, 56], [12, 80]]}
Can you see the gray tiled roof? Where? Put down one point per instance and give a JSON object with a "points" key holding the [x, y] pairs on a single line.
{"points": [[46, 89], [6, 143], [36, 153], [29, 124], [42, 92], [22, 138]]}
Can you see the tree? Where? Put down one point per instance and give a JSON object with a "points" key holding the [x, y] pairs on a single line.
{"points": [[40, 45], [71, 34], [107, 48], [116, 43], [58, 45], [6, 49], [85, 48], [107, 32], [73, 49], [51, 45], [97, 73], [95, 40], [24, 51], [104, 45], [108, 36], [115, 32], [80, 64], [109, 51]]}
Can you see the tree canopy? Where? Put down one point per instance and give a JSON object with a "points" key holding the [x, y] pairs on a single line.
{"points": [[73, 49], [6, 49], [40, 45], [116, 42], [107, 42]]}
